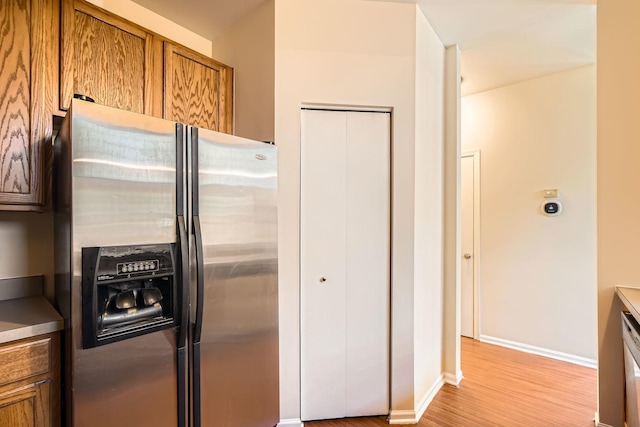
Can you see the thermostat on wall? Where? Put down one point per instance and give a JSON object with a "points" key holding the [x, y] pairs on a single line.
{"points": [[551, 207]]}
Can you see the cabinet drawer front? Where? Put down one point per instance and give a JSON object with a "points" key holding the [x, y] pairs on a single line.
{"points": [[24, 359]]}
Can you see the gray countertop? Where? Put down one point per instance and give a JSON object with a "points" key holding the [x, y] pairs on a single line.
{"points": [[27, 317], [24, 311], [630, 297]]}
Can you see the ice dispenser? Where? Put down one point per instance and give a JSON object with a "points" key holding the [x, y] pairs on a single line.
{"points": [[127, 291]]}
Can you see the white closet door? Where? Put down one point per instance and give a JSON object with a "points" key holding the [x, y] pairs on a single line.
{"points": [[323, 256], [367, 208], [345, 158]]}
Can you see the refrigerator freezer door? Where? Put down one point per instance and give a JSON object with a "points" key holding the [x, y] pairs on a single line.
{"points": [[235, 205], [116, 175]]}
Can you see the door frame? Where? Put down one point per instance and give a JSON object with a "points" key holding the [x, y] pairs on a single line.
{"points": [[475, 154], [356, 109]]}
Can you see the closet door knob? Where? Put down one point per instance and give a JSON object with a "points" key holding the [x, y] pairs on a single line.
{"points": [[467, 255], [323, 279]]}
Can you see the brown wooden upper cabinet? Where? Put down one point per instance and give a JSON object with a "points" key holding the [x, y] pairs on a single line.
{"points": [[108, 59], [26, 50], [198, 91], [103, 56]]}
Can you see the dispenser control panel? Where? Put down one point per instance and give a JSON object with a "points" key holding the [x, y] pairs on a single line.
{"points": [[118, 262], [140, 266]]}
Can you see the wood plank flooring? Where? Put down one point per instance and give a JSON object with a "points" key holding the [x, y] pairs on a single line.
{"points": [[505, 388]]}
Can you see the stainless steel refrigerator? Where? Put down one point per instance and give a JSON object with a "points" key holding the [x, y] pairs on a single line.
{"points": [[166, 272]]}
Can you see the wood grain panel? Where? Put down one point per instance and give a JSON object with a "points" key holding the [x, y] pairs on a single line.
{"points": [[27, 406], [15, 102], [108, 58], [27, 45], [154, 83], [197, 89], [504, 387], [226, 100], [17, 408], [24, 359], [109, 64]]}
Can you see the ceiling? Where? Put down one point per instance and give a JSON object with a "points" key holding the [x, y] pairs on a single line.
{"points": [[507, 41], [501, 41]]}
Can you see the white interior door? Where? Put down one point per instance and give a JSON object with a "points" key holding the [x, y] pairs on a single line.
{"points": [[468, 196], [344, 264], [323, 263]]}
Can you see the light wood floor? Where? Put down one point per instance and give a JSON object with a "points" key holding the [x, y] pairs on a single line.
{"points": [[504, 387]]}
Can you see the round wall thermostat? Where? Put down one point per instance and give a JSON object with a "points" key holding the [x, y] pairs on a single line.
{"points": [[551, 207]]}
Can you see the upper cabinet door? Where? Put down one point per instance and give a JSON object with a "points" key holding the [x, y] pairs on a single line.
{"points": [[26, 48], [108, 59], [198, 91]]}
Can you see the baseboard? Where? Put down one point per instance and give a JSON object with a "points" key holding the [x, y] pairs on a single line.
{"points": [[291, 422], [596, 421], [428, 397], [402, 417], [453, 379], [413, 416], [565, 357]]}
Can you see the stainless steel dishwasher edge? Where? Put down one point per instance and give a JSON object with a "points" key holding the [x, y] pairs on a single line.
{"points": [[631, 339]]}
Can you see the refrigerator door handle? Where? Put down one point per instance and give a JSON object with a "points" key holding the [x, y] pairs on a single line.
{"points": [[197, 327], [184, 282], [197, 232], [183, 279], [184, 323], [199, 293], [182, 238]]}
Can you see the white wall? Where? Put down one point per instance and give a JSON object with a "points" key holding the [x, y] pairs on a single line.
{"points": [[156, 23], [248, 47], [537, 273], [428, 217], [27, 246], [360, 53], [618, 158], [451, 226]]}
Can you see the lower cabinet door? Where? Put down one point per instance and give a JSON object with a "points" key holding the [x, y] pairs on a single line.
{"points": [[25, 406]]}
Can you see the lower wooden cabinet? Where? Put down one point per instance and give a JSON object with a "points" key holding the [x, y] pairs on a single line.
{"points": [[26, 406], [30, 382]]}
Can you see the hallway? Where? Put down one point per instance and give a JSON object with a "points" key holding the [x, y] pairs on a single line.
{"points": [[504, 387]]}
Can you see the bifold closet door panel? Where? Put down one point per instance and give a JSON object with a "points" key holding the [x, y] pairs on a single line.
{"points": [[323, 264], [368, 234]]}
